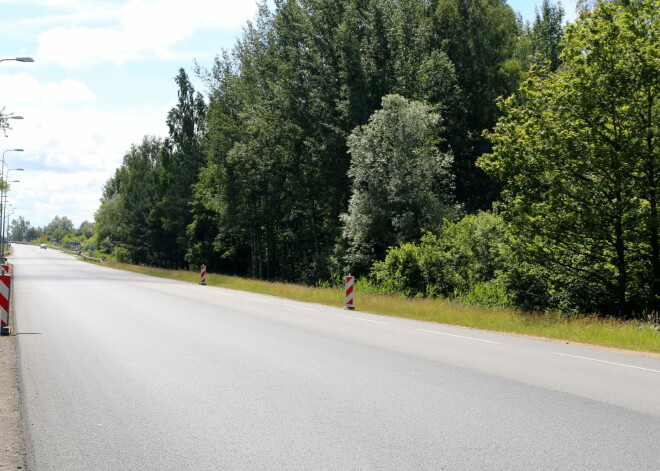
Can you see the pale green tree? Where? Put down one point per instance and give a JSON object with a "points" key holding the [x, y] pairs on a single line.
{"points": [[18, 229], [402, 183]]}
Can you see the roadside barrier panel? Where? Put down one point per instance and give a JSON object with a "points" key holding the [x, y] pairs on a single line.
{"points": [[202, 275], [350, 281], [5, 284]]}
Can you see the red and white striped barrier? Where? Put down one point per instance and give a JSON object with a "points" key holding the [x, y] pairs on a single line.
{"points": [[350, 282], [5, 268], [202, 275], [5, 284]]}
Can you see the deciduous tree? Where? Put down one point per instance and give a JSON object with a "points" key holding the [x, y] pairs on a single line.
{"points": [[578, 151], [402, 183]]}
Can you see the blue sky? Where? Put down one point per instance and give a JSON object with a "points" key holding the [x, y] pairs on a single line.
{"points": [[102, 79]]}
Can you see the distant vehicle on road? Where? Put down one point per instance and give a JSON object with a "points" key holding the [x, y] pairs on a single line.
{"points": [[43, 246]]}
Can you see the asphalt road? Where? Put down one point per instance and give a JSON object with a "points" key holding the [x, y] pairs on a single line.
{"points": [[125, 372]]}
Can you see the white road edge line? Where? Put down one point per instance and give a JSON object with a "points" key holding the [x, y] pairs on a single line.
{"points": [[459, 336], [300, 307], [608, 362], [365, 320]]}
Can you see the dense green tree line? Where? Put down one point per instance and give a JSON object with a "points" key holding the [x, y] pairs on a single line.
{"points": [[60, 229], [145, 208], [336, 133], [577, 152], [269, 159]]}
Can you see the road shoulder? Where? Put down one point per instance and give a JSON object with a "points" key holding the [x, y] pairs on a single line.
{"points": [[12, 449]]}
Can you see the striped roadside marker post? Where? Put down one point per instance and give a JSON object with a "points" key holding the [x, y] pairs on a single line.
{"points": [[350, 282], [202, 275], [5, 284]]}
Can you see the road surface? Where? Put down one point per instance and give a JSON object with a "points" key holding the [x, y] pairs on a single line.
{"points": [[121, 371]]}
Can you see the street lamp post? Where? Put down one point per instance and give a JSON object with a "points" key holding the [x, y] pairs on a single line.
{"points": [[5, 329], [4, 224], [2, 209], [18, 59], [6, 117]]}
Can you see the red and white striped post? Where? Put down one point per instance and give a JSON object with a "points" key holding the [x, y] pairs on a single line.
{"points": [[202, 275], [350, 282], [5, 284]]}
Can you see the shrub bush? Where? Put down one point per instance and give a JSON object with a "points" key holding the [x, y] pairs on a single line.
{"points": [[464, 261], [122, 255]]}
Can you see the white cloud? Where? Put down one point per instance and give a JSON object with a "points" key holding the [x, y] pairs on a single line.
{"points": [[80, 47], [61, 4], [54, 13], [81, 139], [77, 128], [147, 29], [70, 151], [40, 196], [31, 91], [68, 157]]}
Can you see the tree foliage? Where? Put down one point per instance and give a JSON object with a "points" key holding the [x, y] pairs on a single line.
{"points": [[145, 208], [181, 160], [284, 101], [546, 34], [127, 217], [481, 38], [4, 122], [467, 260], [19, 229], [578, 152], [336, 133], [402, 183]]}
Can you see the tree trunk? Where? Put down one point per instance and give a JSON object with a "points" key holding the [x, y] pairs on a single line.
{"points": [[317, 251], [622, 273], [255, 250]]}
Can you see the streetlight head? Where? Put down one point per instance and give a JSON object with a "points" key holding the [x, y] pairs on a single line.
{"points": [[25, 59], [14, 117], [17, 150]]}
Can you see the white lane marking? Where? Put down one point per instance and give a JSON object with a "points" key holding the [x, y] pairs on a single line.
{"points": [[257, 299], [459, 336], [365, 320], [300, 307], [608, 362]]}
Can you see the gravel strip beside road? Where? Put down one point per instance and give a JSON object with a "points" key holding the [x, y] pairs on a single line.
{"points": [[12, 449]]}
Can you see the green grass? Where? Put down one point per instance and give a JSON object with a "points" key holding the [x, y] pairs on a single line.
{"points": [[631, 335]]}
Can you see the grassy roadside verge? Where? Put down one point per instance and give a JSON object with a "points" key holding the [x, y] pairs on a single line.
{"points": [[631, 335]]}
